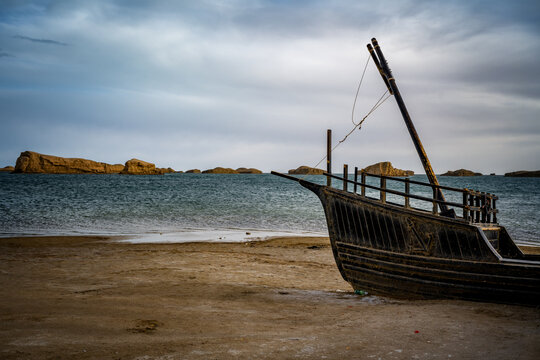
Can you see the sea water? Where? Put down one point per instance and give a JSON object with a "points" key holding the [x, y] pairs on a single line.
{"points": [[213, 207]]}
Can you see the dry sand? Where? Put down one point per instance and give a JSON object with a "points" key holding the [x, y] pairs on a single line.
{"points": [[95, 298]]}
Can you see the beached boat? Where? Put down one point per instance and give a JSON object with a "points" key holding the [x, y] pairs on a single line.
{"points": [[394, 249]]}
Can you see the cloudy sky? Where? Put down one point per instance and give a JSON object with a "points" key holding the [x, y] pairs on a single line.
{"points": [[199, 84]]}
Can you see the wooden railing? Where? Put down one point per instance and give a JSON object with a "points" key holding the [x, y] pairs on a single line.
{"points": [[477, 207]]}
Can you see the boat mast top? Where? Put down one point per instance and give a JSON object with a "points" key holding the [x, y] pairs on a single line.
{"points": [[388, 78]]}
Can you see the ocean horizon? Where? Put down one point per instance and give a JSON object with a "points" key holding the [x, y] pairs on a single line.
{"points": [[213, 207]]}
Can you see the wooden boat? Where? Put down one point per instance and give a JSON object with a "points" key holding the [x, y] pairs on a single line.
{"points": [[394, 249]]}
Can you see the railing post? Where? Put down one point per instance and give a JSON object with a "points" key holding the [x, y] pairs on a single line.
{"points": [[363, 181], [477, 204], [472, 213], [329, 156], [345, 176], [407, 192], [383, 189], [488, 207], [355, 178], [494, 207], [465, 204], [483, 200], [435, 197]]}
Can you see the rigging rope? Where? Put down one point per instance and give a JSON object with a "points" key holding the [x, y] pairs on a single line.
{"points": [[358, 126], [358, 89]]}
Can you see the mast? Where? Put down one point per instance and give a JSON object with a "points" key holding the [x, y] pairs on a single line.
{"points": [[388, 78]]}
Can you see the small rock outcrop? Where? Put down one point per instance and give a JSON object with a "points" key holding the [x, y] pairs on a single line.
{"points": [[193, 171], [385, 168], [35, 163], [461, 172], [139, 167], [524, 173], [166, 170], [248, 171], [220, 170], [7, 168], [306, 170]]}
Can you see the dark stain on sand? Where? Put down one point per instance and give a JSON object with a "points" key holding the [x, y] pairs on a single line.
{"points": [[145, 326]]}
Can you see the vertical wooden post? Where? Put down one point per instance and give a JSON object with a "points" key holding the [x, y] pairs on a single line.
{"points": [[435, 197], [383, 189], [329, 156], [407, 192], [483, 206], [488, 207], [477, 204], [494, 207], [345, 176], [355, 179], [465, 204], [472, 213], [363, 181]]}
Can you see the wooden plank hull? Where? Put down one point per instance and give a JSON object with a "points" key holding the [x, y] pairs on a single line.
{"points": [[394, 251]]}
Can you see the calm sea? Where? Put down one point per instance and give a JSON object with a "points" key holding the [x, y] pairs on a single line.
{"points": [[187, 207]]}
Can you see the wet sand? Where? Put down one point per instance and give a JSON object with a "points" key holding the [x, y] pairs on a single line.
{"points": [[96, 298]]}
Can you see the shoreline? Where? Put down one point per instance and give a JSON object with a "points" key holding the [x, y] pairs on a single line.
{"points": [[95, 297]]}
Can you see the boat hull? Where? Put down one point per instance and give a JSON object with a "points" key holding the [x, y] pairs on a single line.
{"points": [[390, 250]]}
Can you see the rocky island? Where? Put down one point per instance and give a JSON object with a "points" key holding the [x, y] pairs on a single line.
{"points": [[243, 170], [7, 169], [461, 172], [385, 168], [524, 173], [30, 162], [222, 170], [139, 167], [306, 170]]}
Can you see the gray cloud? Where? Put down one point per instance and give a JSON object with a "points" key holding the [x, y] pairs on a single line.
{"points": [[233, 83], [41, 41]]}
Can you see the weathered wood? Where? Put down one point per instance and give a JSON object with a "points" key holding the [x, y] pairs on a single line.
{"points": [[407, 192], [388, 250], [465, 203], [383, 190], [345, 176], [400, 193], [363, 183], [329, 156], [435, 198], [494, 209], [355, 179]]}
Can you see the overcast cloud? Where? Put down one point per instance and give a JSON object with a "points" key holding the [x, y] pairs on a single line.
{"points": [[256, 83]]}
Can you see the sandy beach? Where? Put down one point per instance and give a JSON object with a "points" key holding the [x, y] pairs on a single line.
{"points": [[99, 298]]}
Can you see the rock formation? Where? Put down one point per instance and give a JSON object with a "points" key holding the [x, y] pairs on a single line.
{"points": [[193, 171], [220, 170], [306, 170], [166, 170], [524, 173], [461, 172], [385, 168], [248, 171], [35, 163], [7, 168], [139, 167]]}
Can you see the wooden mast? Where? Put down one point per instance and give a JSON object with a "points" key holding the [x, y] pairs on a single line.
{"points": [[382, 66]]}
